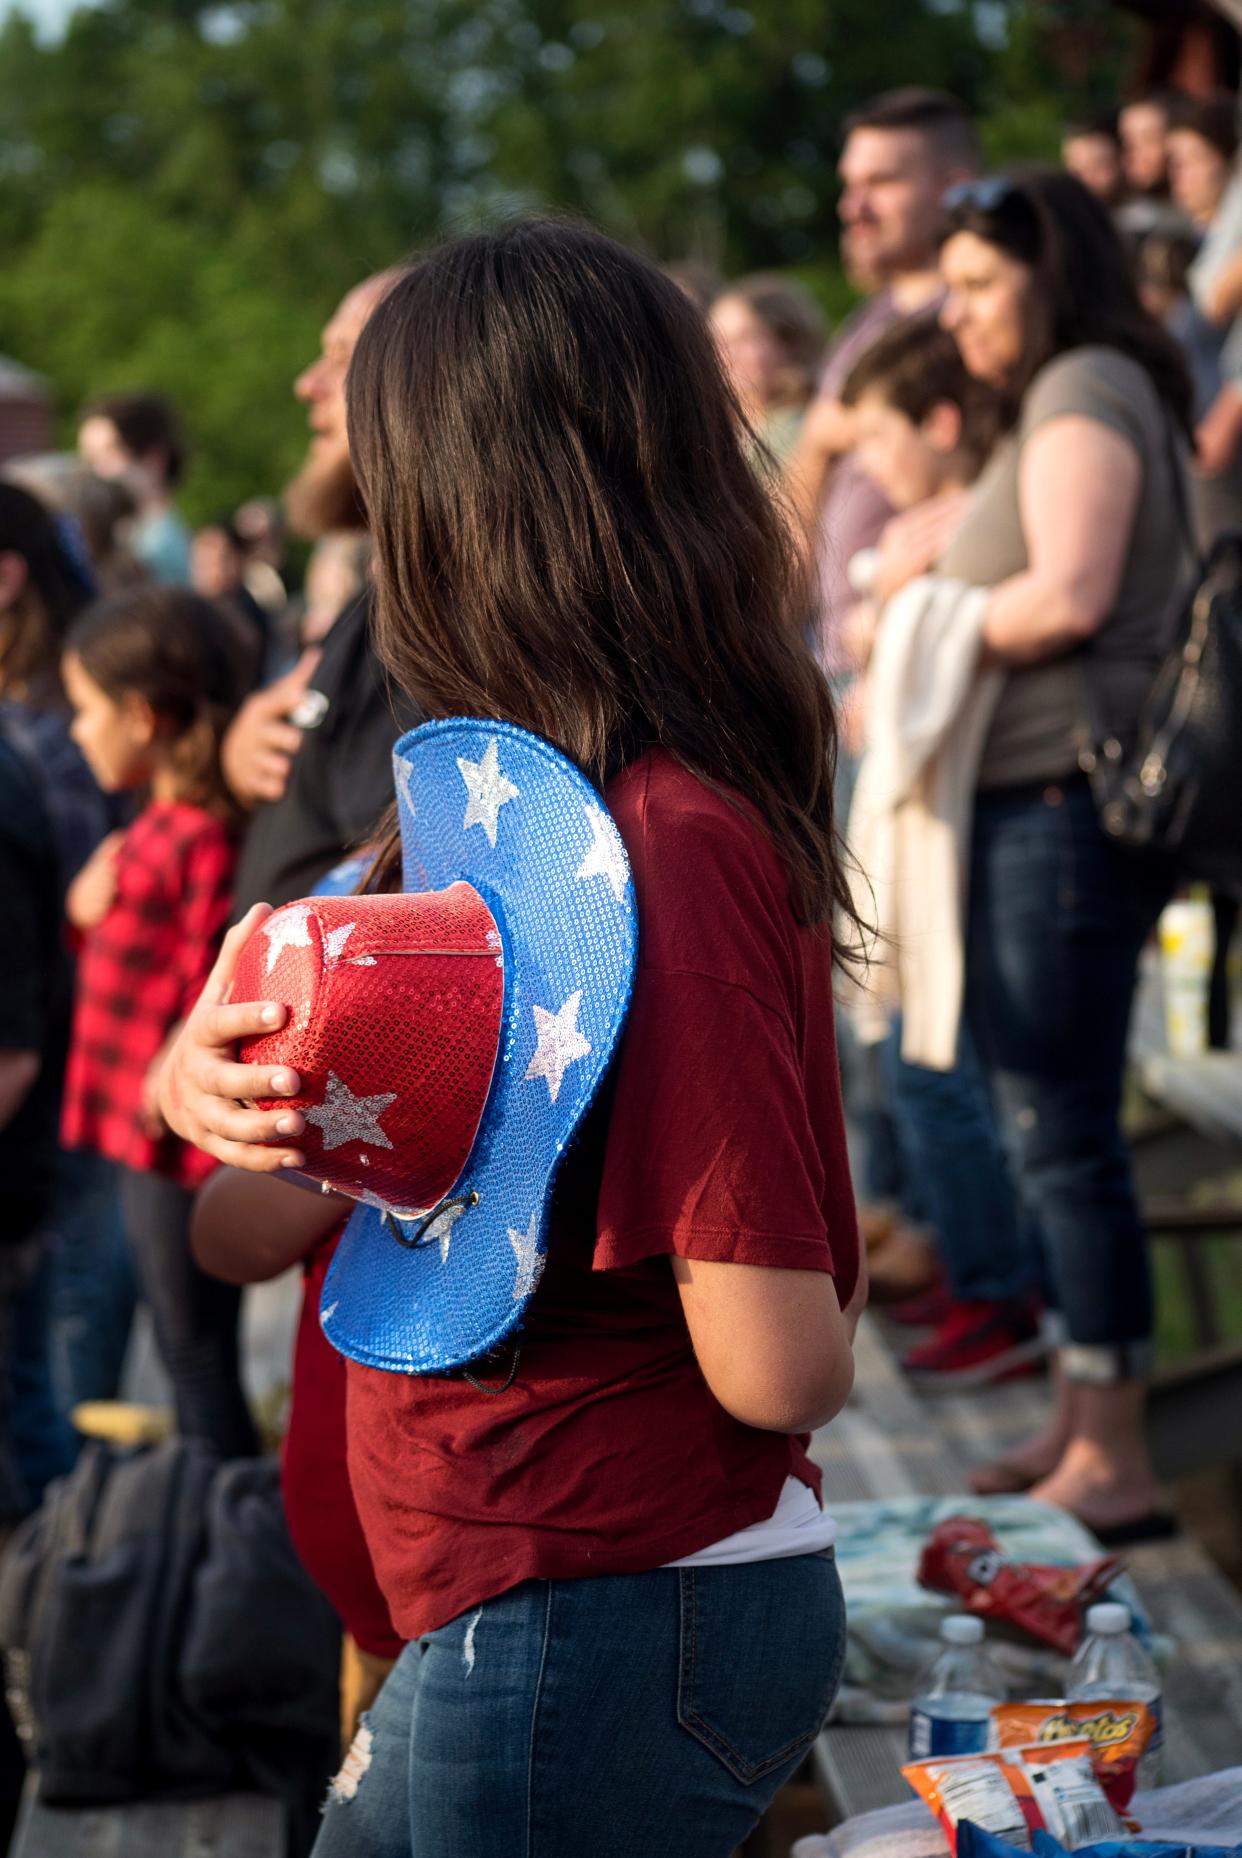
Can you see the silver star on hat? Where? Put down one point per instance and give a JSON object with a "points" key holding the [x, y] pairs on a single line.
{"points": [[286, 929], [404, 772], [529, 1258], [488, 790], [335, 940], [606, 857], [558, 1043], [346, 1118]]}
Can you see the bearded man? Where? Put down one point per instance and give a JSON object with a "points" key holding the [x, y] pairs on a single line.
{"points": [[311, 755]]}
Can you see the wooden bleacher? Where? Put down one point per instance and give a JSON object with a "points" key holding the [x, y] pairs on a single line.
{"points": [[890, 1443], [229, 1826], [1187, 1137]]}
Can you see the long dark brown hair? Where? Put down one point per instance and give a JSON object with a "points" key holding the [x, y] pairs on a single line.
{"points": [[188, 659], [1083, 290], [569, 536]]}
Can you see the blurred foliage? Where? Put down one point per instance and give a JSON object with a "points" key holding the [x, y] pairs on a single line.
{"points": [[186, 189]]}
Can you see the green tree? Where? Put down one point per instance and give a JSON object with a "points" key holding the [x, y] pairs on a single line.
{"points": [[186, 189]]}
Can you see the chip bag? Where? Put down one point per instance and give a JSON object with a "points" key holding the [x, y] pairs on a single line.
{"points": [[1014, 1793], [1118, 1733], [963, 1558]]}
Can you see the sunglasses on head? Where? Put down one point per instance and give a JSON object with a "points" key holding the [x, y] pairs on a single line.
{"points": [[986, 195]]}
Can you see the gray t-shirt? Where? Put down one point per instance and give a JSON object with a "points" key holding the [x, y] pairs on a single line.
{"points": [[1033, 736]]}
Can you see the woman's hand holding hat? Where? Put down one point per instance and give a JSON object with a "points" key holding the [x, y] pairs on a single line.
{"points": [[204, 1091]]}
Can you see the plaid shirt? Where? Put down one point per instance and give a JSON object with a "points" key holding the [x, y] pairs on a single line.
{"points": [[139, 972]]}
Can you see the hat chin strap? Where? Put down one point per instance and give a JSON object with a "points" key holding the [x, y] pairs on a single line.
{"points": [[497, 1387], [393, 1222]]}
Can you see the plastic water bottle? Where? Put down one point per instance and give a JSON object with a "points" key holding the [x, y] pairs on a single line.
{"points": [[1111, 1666], [956, 1695]]}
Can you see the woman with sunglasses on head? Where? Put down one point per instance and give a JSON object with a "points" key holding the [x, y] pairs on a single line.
{"points": [[626, 1627], [1078, 527]]}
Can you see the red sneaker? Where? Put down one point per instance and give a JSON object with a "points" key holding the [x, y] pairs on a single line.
{"points": [[927, 1311], [977, 1343]]}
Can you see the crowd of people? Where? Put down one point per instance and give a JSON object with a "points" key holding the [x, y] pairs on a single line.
{"points": [[978, 505]]}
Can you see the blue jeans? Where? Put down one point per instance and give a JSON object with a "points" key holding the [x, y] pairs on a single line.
{"points": [[880, 1169], [91, 1287], [625, 1716], [953, 1149], [1058, 917], [44, 1441]]}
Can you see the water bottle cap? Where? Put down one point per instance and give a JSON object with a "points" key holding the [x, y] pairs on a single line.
{"points": [[961, 1629], [1108, 1618]]}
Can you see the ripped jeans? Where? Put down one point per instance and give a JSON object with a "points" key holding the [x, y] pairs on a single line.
{"points": [[630, 1714]]}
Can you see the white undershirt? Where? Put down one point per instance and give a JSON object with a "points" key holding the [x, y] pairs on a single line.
{"points": [[797, 1526]]}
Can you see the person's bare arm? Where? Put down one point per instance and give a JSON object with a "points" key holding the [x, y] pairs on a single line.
{"points": [[1219, 433], [1079, 484], [18, 1074], [250, 1227], [773, 1345], [914, 540], [93, 891], [1222, 300], [827, 434]]}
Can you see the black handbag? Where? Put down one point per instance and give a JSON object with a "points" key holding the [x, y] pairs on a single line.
{"points": [[1175, 787]]}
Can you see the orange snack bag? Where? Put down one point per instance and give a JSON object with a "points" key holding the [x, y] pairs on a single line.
{"points": [[1013, 1793], [1118, 1733]]}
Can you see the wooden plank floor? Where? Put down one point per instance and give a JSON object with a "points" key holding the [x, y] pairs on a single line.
{"points": [[230, 1826]]}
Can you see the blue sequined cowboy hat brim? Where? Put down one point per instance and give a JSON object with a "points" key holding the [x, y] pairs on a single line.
{"points": [[499, 808]]}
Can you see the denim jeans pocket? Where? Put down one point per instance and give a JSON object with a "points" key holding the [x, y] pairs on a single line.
{"points": [[762, 1651]]}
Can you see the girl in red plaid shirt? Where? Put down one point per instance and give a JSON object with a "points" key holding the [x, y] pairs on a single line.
{"points": [[154, 677]]}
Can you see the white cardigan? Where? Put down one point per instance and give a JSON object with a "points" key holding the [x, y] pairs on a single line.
{"points": [[927, 708]]}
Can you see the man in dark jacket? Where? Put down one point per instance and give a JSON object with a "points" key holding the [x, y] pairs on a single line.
{"points": [[312, 754]]}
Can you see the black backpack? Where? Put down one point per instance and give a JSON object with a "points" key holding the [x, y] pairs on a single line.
{"points": [[166, 1637]]}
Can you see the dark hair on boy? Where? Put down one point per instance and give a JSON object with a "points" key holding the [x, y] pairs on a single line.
{"points": [[942, 120], [146, 423], [1214, 119], [187, 658], [915, 367]]}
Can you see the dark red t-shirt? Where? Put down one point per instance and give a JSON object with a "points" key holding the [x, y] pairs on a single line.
{"points": [[314, 1479], [718, 1136]]}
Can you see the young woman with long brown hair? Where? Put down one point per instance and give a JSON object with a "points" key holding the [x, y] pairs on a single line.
{"points": [[617, 1582]]}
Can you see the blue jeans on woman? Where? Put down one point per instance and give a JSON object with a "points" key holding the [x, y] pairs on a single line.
{"points": [[953, 1148], [1058, 917], [646, 1714]]}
